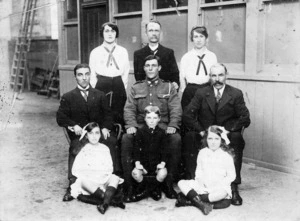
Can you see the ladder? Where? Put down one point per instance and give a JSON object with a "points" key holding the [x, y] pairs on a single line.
{"points": [[19, 70]]}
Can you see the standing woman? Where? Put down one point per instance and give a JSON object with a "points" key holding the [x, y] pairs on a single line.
{"points": [[195, 65], [109, 65]]}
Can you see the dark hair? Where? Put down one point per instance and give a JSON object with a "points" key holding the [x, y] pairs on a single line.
{"points": [[217, 65], [83, 65], [153, 21], [199, 29], [152, 109], [215, 129], [113, 27], [91, 126], [151, 57]]}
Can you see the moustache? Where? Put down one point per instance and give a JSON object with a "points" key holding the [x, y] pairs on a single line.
{"points": [[218, 83]]}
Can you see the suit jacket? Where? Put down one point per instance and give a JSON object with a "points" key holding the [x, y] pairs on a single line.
{"points": [[74, 110], [169, 69], [231, 112]]}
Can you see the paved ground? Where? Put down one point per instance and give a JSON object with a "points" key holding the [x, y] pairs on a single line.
{"points": [[33, 157]]}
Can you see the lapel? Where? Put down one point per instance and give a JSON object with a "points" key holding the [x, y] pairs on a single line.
{"points": [[81, 101], [225, 97], [210, 99]]}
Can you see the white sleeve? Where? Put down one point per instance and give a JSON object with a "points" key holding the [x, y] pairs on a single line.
{"points": [[126, 69], [92, 64], [182, 74]]}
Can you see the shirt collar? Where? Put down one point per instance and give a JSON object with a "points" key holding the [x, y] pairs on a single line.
{"points": [[153, 48], [220, 90], [201, 52], [83, 89]]}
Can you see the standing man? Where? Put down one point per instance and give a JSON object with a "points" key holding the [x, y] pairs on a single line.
{"points": [[222, 105], [79, 107], [156, 92], [169, 70]]}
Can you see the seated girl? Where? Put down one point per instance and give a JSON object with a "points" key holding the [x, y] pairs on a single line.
{"points": [[214, 173], [149, 156], [93, 168]]}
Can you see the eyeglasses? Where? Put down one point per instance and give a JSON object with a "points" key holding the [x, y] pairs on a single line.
{"points": [[152, 66]]}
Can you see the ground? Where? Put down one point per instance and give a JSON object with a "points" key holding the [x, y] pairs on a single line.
{"points": [[33, 157]]}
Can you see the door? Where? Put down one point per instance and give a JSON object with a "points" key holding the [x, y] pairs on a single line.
{"points": [[93, 17]]}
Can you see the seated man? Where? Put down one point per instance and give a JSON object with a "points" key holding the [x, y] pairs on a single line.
{"points": [[156, 92], [77, 108], [219, 104]]}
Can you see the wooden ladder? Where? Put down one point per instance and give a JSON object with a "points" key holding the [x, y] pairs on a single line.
{"points": [[19, 71]]}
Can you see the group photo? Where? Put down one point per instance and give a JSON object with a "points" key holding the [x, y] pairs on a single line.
{"points": [[153, 110]]}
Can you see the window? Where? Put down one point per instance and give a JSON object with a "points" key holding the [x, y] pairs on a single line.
{"points": [[170, 3], [129, 6], [71, 9]]}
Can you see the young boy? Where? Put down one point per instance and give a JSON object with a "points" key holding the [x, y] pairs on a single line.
{"points": [[149, 155]]}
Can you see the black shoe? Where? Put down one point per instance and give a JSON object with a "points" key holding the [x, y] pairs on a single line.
{"points": [[236, 198], [206, 208], [67, 197], [102, 208], [142, 195], [119, 204], [129, 196], [170, 193], [90, 199], [156, 194], [182, 201]]}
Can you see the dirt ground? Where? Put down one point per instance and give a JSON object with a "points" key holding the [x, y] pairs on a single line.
{"points": [[33, 178]]}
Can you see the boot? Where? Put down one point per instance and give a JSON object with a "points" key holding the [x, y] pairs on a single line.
{"points": [[117, 200], [88, 199], [205, 207], [142, 191], [167, 188], [182, 201], [155, 192], [109, 193], [236, 198], [67, 197], [98, 194], [129, 196]]}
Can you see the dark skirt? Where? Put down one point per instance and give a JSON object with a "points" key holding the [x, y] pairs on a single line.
{"points": [[115, 92], [189, 93]]}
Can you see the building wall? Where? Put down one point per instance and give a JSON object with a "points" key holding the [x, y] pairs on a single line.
{"points": [[259, 43]]}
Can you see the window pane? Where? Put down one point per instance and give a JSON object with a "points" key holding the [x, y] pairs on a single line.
{"points": [[72, 42], [129, 6], [174, 38], [214, 1], [226, 30], [71, 9], [130, 32], [170, 3]]}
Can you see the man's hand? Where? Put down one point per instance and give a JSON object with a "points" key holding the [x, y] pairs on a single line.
{"points": [[175, 85], [77, 130], [106, 133], [131, 130], [171, 130]]}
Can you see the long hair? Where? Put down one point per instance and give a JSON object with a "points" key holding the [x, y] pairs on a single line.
{"points": [[216, 130]]}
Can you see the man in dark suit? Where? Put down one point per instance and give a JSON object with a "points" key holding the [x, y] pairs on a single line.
{"points": [[79, 107], [219, 104], [169, 70]]}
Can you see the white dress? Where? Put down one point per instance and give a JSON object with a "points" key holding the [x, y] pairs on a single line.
{"points": [[94, 164], [215, 170]]}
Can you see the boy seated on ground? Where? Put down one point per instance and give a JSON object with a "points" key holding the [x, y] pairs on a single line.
{"points": [[149, 155]]}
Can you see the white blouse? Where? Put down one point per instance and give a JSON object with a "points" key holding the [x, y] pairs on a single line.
{"points": [[101, 64], [189, 64]]}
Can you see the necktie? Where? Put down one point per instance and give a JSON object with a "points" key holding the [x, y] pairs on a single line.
{"points": [[218, 97], [111, 57], [199, 64], [154, 51], [85, 94]]}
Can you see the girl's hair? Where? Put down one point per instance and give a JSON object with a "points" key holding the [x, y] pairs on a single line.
{"points": [[152, 109], [199, 29], [91, 126], [113, 27], [215, 129]]}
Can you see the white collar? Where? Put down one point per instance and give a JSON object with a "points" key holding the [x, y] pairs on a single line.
{"points": [[83, 89], [153, 48], [220, 90]]}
